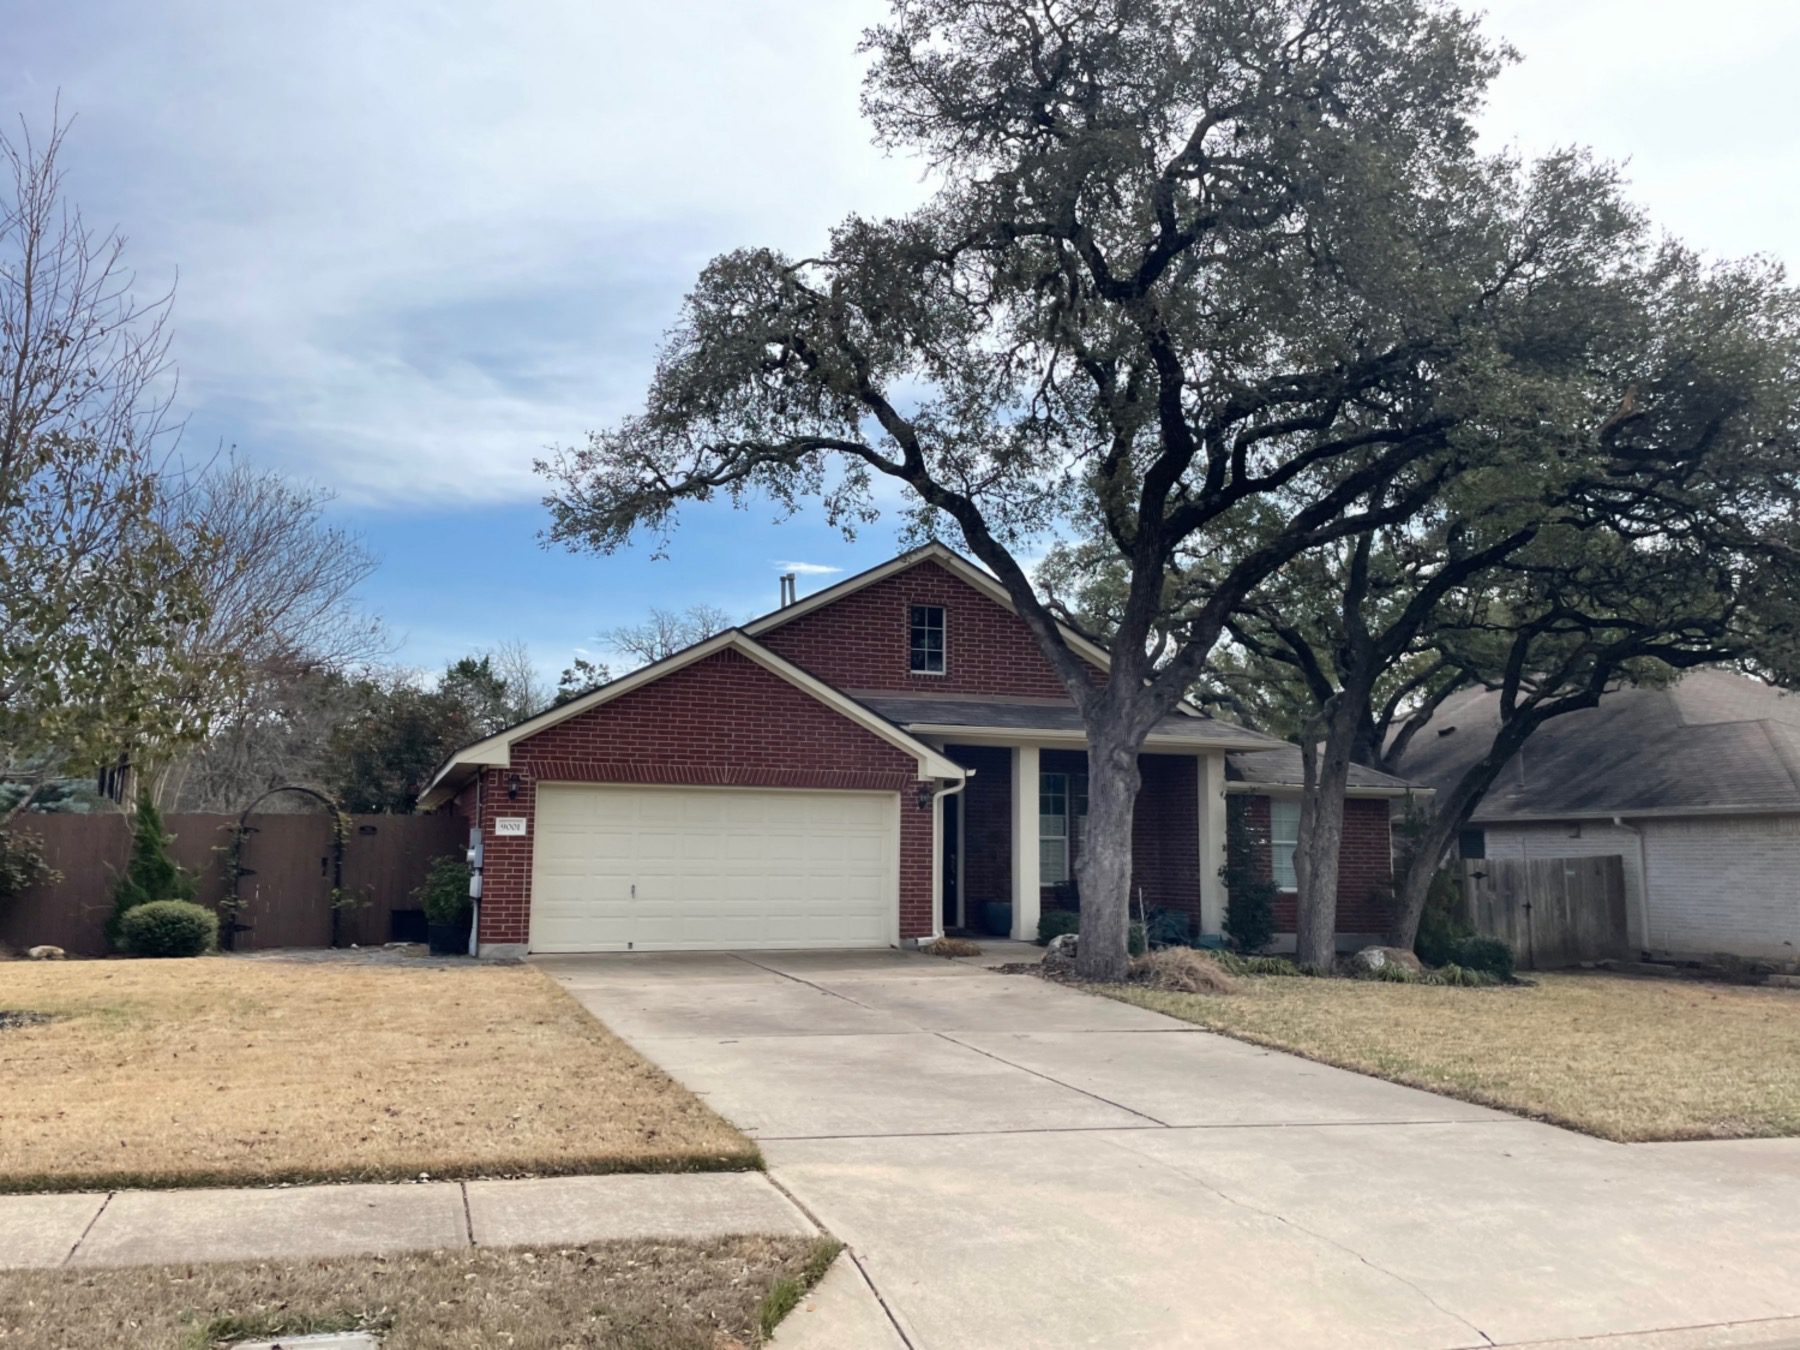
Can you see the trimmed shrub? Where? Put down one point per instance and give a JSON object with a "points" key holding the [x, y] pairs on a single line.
{"points": [[1053, 923], [1489, 955], [151, 875], [169, 928], [1136, 942], [445, 894]]}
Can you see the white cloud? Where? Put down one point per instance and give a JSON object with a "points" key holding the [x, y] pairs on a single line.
{"points": [[418, 243], [807, 569]]}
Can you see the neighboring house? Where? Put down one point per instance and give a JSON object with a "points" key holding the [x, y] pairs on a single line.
{"points": [[1695, 787], [864, 767]]}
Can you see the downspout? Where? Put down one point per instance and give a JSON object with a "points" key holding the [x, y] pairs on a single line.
{"points": [[1643, 882], [937, 909], [475, 882]]}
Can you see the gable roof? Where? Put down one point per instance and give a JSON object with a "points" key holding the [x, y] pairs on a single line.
{"points": [[496, 751], [1714, 743], [958, 566]]}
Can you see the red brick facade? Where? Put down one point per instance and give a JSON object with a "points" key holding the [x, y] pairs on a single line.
{"points": [[727, 721], [722, 722], [861, 641], [1365, 866]]}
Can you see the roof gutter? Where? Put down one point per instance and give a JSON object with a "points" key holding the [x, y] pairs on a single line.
{"points": [[1239, 788]]}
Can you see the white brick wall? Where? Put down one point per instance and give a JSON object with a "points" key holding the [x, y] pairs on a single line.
{"points": [[1724, 884]]}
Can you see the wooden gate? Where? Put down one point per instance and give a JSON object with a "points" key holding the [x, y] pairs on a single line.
{"points": [[1552, 911]]}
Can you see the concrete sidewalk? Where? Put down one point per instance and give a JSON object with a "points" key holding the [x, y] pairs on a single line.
{"points": [[128, 1228]]}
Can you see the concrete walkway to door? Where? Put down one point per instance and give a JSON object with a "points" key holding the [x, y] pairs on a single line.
{"points": [[1015, 1164]]}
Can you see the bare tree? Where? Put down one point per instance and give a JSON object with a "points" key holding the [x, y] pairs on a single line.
{"points": [[528, 693], [91, 583], [279, 585], [666, 632]]}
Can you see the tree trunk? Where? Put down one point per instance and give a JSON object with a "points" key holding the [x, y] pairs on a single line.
{"points": [[1104, 867], [19, 807], [1316, 864], [1413, 885], [1451, 811], [1325, 780]]}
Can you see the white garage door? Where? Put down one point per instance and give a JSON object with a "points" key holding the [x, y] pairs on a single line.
{"points": [[668, 869]]}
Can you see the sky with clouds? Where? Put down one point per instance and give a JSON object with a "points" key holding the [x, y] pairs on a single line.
{"points": [[419, 243]]}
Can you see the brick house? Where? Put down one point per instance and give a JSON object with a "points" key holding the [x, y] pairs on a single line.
{"points": [[878, 763], [1694, 787]]}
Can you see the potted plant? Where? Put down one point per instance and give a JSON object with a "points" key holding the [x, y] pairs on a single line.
{"points": [[445, 897]]}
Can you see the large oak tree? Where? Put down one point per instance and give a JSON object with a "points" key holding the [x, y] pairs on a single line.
{"points": [[1225, 281]]}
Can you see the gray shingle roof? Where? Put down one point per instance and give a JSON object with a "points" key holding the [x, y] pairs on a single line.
{"points": [[1281, 768], [1714, 742], [1046, 715]]}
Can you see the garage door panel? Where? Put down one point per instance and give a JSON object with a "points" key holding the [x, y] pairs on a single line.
{"points": [[712, 869]]}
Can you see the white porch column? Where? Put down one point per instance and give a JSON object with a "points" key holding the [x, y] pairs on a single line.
{"points": [[1025, 842], [1211, 771]]}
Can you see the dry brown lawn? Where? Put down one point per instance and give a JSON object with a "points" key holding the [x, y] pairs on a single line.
{"points": [[1627, 1059], [222, 1071], [615, 1295]]}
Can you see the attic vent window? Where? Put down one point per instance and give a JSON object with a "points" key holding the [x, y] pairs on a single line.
{"points": [[927, 639]]}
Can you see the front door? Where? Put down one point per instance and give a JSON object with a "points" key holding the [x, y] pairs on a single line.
{"points": [[952, 861]]}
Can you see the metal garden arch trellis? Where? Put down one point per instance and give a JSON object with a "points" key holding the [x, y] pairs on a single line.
{"points": [[229, 927]]}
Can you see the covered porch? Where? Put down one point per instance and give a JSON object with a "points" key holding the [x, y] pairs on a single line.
{"points": [[1008, 843], [1014, 835]]}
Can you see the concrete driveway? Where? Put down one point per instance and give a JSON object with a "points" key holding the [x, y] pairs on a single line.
{"points": [[1019, 1165]]}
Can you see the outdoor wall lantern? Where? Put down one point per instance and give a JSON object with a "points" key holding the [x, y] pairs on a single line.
{"points": [[512, 788]]}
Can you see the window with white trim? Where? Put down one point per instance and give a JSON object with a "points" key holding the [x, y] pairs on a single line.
{"points": [[927, 639], [1284, 838], [1062, 812]]}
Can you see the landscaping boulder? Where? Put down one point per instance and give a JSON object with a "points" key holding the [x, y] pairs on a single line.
{"points": [[1370, 960], [46, 952], [1060, 954]]}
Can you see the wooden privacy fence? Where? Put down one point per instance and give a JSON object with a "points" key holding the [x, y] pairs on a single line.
{"points": [[1552, 911], [287, 892]]}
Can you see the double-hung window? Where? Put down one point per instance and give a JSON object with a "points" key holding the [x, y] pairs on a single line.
{"points": [[927, 640], [1062, 812], [1284, 838]]}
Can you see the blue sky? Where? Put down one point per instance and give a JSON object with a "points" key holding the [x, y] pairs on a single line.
{"points": [[417, 244]]}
